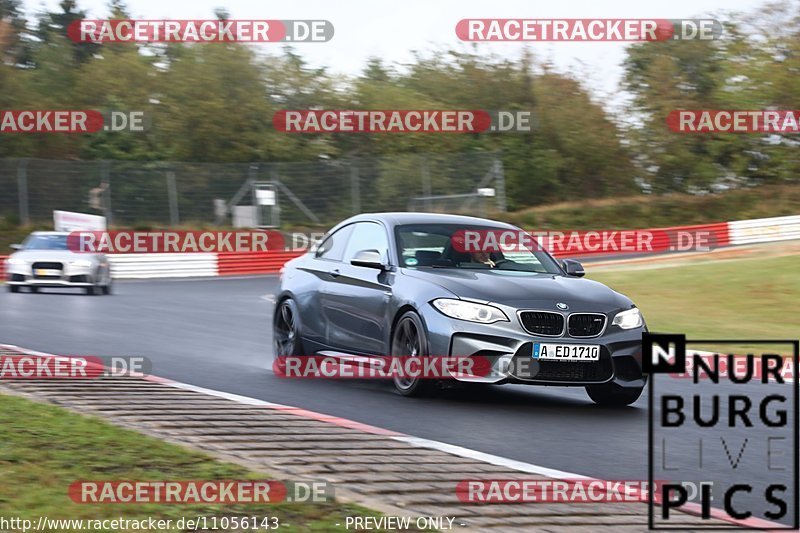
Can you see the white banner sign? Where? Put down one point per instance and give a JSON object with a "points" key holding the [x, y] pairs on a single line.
{"points": [[69, 221]]}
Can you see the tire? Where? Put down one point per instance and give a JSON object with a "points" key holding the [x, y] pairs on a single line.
{"points": [[409, 338], [107, 288], [612, 395], [13, 288], [34, 289], [286, 330], [94, 290]]}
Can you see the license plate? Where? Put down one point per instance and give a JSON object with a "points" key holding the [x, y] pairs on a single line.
{"points": [[565, 352], [46, 272]]}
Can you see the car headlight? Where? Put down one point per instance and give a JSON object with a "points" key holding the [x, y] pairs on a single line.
{"points": [[632, 318], [81, 263], [15, 261], [470, 311]]}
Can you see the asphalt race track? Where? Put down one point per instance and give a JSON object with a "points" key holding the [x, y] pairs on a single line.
{"points": [[216, 334]]}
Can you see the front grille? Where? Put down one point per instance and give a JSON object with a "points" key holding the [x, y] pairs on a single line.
{"points": [[48, 266], [525, 368], [586, 324], [542, 323], [573, 371]]}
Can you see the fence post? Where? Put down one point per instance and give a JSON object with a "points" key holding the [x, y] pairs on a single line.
{"points": [[276, 209], [172, 193], [426, 184], [500, 185], [106, 184], [355, 188], [22, 192]]}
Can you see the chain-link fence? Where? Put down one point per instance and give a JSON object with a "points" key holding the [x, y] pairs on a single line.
{"points": [[158, 194]]}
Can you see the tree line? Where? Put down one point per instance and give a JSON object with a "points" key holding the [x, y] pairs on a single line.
{"points": [[215, 102]]}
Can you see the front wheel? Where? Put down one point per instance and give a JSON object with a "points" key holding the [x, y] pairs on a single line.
{"points": [[13, 288], [612, 395], [286, 329], [410, 340]]}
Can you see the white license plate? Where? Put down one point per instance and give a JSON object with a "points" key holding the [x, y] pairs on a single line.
{"points": [[46, 272], [543, 351]]}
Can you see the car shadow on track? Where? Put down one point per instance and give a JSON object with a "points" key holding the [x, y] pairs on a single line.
{"points": [[487, 398], [52, 292], [527, 397]]}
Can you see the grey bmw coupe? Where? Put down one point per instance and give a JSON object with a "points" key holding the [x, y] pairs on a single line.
{"points": [[397, 284]]}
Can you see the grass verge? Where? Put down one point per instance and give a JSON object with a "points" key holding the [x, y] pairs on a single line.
{"points": [[43, 449], [753, 298]]}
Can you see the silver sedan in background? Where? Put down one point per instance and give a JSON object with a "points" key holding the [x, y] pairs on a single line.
{"points": [[44, 260]]}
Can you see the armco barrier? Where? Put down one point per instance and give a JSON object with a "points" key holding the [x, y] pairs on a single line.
{"points": [[163, 265], [229, 264], [764, 230], [232, 264], [678, 238]]}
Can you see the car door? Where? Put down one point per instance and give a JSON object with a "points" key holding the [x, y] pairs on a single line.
{"points": [[324, 266], [356, 301]]}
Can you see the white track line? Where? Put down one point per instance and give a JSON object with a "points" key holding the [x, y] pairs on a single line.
{"points": [[459, 451]]}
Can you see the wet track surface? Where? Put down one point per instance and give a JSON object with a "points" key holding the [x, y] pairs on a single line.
{"points": [[216, 334]]}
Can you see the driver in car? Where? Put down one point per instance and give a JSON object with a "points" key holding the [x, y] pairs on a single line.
{"points": [[482, 257]]}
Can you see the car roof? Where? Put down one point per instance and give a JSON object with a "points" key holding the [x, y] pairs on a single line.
{"points": [[392, 219]]}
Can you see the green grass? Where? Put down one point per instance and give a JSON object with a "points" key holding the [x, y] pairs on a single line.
{"points": [[647, 211], [729, 298], [43, 449]]}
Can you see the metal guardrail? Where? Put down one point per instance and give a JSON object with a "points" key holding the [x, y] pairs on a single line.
{"points": [[765, 230], [661, 240], [145, 266]]}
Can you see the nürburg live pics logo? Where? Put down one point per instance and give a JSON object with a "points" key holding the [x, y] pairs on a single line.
{"points": [[723, 441]]}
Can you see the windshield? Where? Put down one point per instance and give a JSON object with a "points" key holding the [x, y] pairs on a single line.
{"points": [[45, 242], [431, 246]]}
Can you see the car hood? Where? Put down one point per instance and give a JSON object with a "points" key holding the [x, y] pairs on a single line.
{"points": [[525, 290], [60, 256]]}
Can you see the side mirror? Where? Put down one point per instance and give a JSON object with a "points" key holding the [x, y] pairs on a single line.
{"points": [[16, 247], [369, 259], [573, 268]]}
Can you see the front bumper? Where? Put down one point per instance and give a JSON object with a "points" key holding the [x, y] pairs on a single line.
{"points": [[508, 347], [70, 276]]}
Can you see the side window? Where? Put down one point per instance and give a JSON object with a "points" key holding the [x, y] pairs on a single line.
{"points": [[367, 236], [332, 248]]}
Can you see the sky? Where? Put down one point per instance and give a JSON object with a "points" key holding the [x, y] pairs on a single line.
{"points": [[394, 30]]}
